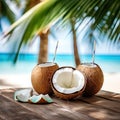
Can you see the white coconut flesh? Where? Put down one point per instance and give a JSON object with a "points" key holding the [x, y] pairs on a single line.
{"points": [[47, 64], [68, 80], [38, 98], [23, 95]]}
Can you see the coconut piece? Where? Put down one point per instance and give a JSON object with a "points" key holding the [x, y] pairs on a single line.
{"points": [[94, 77], [23, 95], [68, 83], [40, 99], [41, 76]]}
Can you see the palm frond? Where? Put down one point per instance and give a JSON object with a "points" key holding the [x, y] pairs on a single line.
{"points": [[107, 17], [35, 14], [6, 11], [102, 13]]}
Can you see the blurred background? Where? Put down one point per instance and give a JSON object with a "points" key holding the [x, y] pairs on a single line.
{"points": [[69, 34]]}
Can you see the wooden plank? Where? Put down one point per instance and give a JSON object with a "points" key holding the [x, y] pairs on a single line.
{"points": [[105, 103], [76, 109], [51, 111], [97, 112], [12, 111], [57, 112], [109, 95]]}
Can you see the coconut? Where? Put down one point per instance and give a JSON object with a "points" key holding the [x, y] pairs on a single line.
{"points": [[68, 83], [94, 76], [41, 76]]}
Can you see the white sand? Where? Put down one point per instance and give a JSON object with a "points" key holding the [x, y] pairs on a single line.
{"points": [[15, 81], [111, 81]]}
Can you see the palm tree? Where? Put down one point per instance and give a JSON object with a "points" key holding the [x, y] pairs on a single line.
{"points": [[43, 49], [76, 54], [102, 15], [43, 35]]}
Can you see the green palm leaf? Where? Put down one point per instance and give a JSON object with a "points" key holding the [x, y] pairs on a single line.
{"points": [[6, 11], [104, 16]]}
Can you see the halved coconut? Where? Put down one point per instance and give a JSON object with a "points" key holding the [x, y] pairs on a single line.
{"points": [[41, 76], [68, 83], [42, 99], [94, 76]]}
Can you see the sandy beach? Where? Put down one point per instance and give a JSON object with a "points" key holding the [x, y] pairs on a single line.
{"points": [[111, 81]]}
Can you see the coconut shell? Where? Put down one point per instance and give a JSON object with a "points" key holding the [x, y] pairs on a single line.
{"points": [[40, 78], [68, 96], [94, 76]]}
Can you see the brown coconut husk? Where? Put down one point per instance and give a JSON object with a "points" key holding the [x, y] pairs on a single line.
{"points": [[40, 78], [94, 76], [67, 96]]}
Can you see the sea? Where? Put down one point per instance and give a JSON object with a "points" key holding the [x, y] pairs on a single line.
{"points": [[26, 62]]}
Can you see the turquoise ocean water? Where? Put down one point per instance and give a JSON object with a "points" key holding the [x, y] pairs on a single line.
{"points": [[26, 62]]}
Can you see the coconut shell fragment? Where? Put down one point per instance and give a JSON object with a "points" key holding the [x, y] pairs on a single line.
{"points": [[40, 99], [94, 77], [26, 95], [22, 95]]}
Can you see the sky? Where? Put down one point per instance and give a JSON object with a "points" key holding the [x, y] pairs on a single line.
{"points": [[65, 45]]}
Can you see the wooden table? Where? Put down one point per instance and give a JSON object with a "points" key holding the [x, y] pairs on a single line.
{"points": [[103, 106]]}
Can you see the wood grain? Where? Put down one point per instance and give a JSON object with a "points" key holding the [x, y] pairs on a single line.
{"points": [[103, 106], [109, 95], [10, 110], [49, 111]]}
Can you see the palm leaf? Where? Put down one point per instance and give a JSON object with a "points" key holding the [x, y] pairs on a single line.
{"points": [[6, 11], [46, 13]]}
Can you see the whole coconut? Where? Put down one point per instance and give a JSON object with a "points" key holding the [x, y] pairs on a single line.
{"points": [[41, 76], [94, 76]]}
